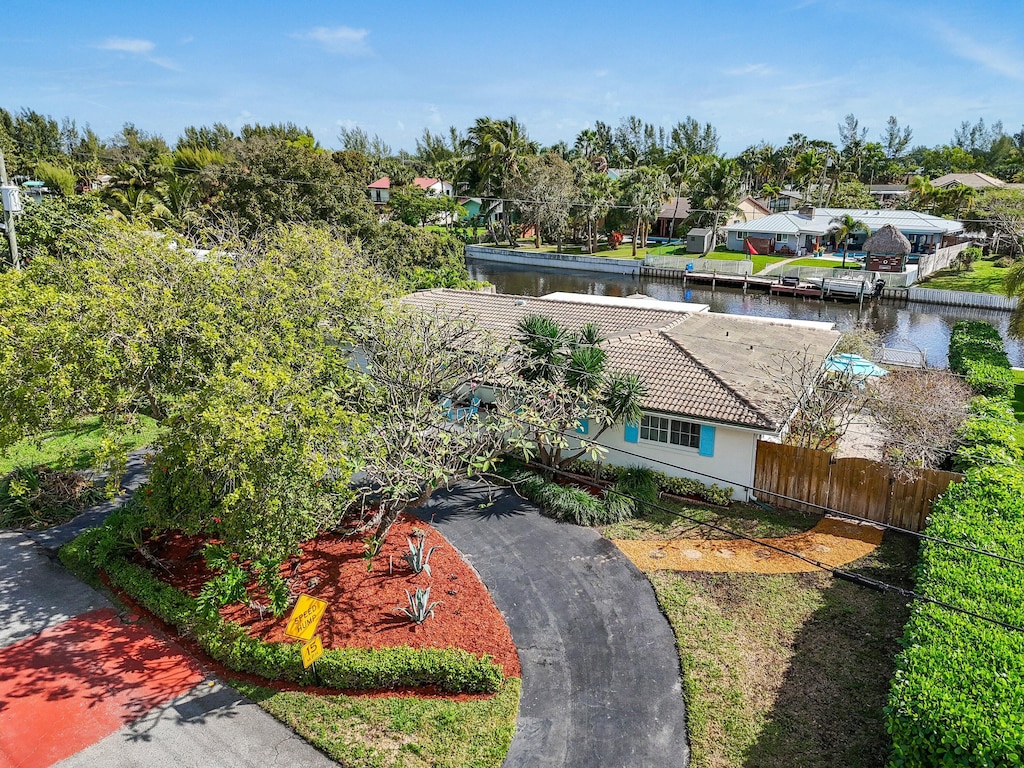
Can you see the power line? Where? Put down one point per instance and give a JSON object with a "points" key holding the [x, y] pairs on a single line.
{"points": [[843, 574], [822, 508]]}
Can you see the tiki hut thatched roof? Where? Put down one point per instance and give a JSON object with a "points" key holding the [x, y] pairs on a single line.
{"points": [[888, 240]]}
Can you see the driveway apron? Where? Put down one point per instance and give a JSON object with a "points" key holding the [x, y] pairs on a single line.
{"points": [[601, 679]]}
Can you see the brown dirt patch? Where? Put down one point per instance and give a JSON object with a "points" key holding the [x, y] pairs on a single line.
{"points": [[362, 605], [832, 541]]}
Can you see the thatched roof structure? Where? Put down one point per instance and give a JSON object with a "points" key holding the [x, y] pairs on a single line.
{"points": [[888, 240]]}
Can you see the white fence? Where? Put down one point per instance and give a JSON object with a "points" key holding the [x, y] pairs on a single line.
{"points": [[962, 299], [906, 358], [721, 266]]}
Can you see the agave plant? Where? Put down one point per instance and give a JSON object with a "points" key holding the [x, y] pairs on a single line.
{"points": [[420, 608], [418, 556]]}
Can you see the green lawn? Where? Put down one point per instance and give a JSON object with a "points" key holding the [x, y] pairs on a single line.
{"points": [[1018, 397], [824, 263], [983, 277], [760, 262], [72, 448], [388, 732], [783, 670]]}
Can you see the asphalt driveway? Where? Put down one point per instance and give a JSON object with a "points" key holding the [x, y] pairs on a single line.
{"points": [[601, 680]]}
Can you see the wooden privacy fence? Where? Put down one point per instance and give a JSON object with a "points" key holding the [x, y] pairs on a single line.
{"points": [[807, 479]]}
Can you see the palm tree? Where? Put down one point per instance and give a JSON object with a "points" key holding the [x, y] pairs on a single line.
{"points": [[716, 193], [808, 166], [645, 191], [597, 194], [922, 193], [570, 371], [1013, 285], [844, 226], [496, 147]]}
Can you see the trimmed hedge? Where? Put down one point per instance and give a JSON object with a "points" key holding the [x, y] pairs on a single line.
{"points": [[451, 670], [974, 341], [957, 697], [677, 486], [992, 436]]}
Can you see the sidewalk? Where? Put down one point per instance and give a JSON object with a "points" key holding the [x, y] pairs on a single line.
{"points": [[84, 685]]}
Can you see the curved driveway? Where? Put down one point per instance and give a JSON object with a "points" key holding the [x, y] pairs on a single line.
{"points": [[601, 683]]}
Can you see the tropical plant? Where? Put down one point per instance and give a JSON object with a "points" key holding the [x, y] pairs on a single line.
{"points": [[644, 191], [418, 556], [715, 194], [566, 396], [420, 608], [842, 227]]}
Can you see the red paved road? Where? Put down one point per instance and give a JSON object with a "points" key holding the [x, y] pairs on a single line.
{"points": [[69, 686]]}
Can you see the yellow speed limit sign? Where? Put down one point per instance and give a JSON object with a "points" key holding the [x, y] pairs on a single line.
{"points": [[312, 651], [305, 616]]}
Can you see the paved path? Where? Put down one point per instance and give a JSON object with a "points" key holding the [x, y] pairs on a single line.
{"points": [[81, 684], [601, 684]]}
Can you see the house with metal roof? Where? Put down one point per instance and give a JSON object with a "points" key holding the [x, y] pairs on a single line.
{"points": [[716, 383], [808, 229]]}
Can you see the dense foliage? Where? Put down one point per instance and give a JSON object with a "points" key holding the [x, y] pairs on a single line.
{"points": [[957, 693]]}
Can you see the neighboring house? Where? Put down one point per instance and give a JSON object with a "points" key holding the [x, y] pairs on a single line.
{"points": [[888, 195], [975, 180], [709, 396], [677, 210], [749, 209], [786, 200], [380, 190], [481, 211], [809, 228]]}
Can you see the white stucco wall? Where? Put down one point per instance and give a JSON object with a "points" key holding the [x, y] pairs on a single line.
{"points": [[733, 460]]}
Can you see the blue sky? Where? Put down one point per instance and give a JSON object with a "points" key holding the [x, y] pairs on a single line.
{"points": [[755, 70]]}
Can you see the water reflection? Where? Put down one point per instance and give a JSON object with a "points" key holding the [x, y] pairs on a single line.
{"points": [[923, 326]]}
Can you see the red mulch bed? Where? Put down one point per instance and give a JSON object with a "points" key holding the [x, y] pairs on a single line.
{"points": [[361, 605]]}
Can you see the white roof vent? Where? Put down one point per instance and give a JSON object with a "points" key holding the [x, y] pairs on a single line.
{"points": [[520, 302]]}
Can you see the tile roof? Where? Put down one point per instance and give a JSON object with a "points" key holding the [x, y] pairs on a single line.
{"points": [[382, 183], [703, 365]]}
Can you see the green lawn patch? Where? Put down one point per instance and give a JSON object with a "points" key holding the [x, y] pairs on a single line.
{"points": [[784, 670], [72, 448], [983, 277], [1018, 402], [825, 264], [388, 732]]}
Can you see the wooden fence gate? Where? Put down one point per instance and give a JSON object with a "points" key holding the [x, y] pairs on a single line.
{"points": [[807, 479]]}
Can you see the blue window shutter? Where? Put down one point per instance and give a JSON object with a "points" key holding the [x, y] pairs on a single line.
{"points": [[632, 433], [584, 427], [707, 440]]}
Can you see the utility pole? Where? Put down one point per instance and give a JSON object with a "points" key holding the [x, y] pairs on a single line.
{"points": [[11, 205]]}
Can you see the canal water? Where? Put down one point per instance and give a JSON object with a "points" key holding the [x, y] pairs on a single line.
{"points": [[901, 324]]}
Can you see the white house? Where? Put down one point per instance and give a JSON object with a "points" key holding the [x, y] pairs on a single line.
{"points": [[710, 397], [808, 228], [380, 190]]}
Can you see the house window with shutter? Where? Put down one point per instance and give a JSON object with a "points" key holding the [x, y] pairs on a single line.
{"points": [[661, 429]]}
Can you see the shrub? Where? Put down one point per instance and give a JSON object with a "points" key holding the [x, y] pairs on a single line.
{"points": [[977, 342], [677, 486], [990, 380], [959, 683], [451, 670]]}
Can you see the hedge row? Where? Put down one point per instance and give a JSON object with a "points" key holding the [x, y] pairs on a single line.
{"points": [[992, 436], [451, 670], [957, 697], [677, 486]]}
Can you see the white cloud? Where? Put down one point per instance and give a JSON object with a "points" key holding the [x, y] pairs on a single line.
{"points": [[342, 40], [137, 47], [127, 45], [990, 53], [761, 70]]}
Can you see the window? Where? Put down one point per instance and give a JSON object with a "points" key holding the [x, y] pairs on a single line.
{"points": [[782, 238], [742, 235], [660, 429]]}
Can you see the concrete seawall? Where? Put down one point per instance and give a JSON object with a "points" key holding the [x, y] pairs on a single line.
{"points": [[566, 260]]}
